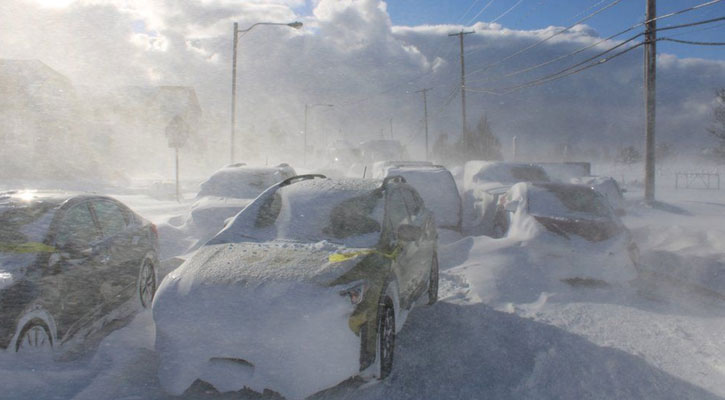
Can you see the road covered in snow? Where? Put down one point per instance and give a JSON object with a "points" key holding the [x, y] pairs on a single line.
{"points": [[498, 332]]}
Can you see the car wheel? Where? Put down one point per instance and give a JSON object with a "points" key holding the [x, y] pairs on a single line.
{"points": [[386, 338], [146, 283], [433, 281], [34, 338]]}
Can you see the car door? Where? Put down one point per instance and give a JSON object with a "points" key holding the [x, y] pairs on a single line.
{"points": [[422, 249], [397, 215], [122, 249], [74, 269]]}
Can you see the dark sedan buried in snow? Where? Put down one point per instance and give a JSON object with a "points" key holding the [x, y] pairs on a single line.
{"points": [[69, 265], [306, 287]]}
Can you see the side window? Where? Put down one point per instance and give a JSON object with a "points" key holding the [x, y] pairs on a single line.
{"points": [[110, 216], [412, 201], [77, 227], [397, 211]]}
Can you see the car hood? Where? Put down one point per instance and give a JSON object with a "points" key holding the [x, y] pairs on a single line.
{"points": [[253, 264]]}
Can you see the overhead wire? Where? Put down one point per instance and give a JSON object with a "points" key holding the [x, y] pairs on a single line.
{"points": [[579, 67], [507, 11], [578, 51], [481, 11], [539, 42]]}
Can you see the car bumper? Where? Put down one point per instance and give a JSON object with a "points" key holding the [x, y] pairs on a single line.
{"points": [[291, 338]]}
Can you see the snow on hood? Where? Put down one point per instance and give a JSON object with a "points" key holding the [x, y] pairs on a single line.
{"points": [[252, 264], [264, 303]]}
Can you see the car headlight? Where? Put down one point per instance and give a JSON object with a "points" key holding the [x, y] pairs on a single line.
{"points": [[356, 292]]}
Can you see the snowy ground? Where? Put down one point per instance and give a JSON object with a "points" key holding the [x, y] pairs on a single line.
{"points": [[656, 340]]}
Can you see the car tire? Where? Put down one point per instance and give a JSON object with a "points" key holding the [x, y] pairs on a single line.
{"points": [[146, 283], [35, 337], [386, 338], [433, 281]]}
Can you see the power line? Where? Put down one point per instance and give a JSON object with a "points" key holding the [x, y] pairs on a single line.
{"points": [[556, 76], [535, 44], [691, 42], [631, 28], [481, 11], [528, 69], [507, 11], [574, 68]]}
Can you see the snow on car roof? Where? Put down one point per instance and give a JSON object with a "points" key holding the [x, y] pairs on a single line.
{"points": [[503, 172], [303, 214], [242, 181]]}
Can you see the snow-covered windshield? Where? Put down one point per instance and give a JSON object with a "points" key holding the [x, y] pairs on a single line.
{"points": [[567, 201], [350, 217]]}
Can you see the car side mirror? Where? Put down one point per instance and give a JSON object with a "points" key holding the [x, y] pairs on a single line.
{"points": [[409, 233], [511, 206]]}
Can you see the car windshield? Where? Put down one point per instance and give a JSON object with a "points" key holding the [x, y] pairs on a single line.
{"points": [[349, 217], [567, 201]]}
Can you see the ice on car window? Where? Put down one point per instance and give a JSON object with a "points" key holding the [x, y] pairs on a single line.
{"points": [[352, 218]]}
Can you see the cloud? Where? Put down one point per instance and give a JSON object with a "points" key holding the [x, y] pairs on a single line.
{"points": [[351, 55]]}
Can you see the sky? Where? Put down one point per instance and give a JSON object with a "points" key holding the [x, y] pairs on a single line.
{"points": [[538, 14], [369, 59]]}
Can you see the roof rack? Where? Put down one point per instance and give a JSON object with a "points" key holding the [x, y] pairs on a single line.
{"points": [[393, 179], [298, 178]]}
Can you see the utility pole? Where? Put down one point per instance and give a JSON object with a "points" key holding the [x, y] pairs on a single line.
{"points": [[234, 91], [425, 113], [466, 139], [650, 66]]}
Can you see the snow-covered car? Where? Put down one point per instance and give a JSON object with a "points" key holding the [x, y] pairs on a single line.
{"points": [[70, 263], [434, 183], [608, 187], [225, 193], [305, 288], [483, 183], [573, 226]]}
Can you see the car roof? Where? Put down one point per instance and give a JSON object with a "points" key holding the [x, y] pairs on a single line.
{"points": [[51, 198]]}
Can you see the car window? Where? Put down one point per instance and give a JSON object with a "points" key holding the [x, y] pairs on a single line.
{"points": [[77, 227], [412, 201], [397, 211], [528, 174], [353, 217], [110, 217]]}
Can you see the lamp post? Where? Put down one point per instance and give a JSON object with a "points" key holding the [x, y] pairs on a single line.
{"points": [[307, 107], [237, 31]]}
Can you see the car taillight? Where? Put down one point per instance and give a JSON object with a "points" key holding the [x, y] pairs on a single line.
{"points": [[356, 292]]}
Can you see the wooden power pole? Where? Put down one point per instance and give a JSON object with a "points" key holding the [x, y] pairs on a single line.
{"points": [[425, 113], [466, 137], [650, 65]]}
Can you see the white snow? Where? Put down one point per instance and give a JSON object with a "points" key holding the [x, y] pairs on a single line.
{"points": [[500, 330]]}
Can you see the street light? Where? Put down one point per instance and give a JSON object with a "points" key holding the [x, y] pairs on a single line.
{"points": [[237, 31], [307, 107]]}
